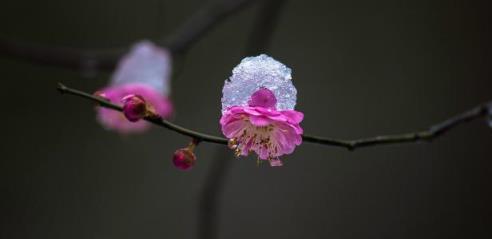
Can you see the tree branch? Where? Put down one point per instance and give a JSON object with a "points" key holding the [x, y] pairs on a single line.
{"points": [[157, 121], [425, 135], [260, 37], [89, 60]]}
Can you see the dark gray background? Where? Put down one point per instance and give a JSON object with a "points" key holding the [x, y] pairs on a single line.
{"points": [[362, 68]]}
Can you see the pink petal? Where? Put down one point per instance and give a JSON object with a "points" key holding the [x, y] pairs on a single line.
{"points": [[247, 147], [267, 111], [251, 111], [276, 162], [297, 128], [236, 109], [278, 118], [226, 118], [287, 145], [231, 129], [263, 153], [294, 117], [259, 121]]}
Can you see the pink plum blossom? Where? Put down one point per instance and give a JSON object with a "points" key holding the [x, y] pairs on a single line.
{"points": [[258, 114], [144, 72], [261, 128]]}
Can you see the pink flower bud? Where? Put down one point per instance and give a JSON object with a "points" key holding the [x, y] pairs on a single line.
{"points": [[263, 98], [134, 107], [184, 158]]}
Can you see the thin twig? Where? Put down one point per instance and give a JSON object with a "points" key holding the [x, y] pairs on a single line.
{"points": [[157, 121], [425, 135], [90, 60], [258, 42], [264, 27], [210, 194], [200, 23]]}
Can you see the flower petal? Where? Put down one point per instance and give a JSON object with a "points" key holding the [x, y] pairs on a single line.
{"points": [[231, 129], [294, 117], [276, 162], [251, 111], [267, 111], [259, 121]]}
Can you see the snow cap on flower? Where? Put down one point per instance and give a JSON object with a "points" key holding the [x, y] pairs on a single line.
{"points": [[144, 71], [258, 110], [258, 72]]}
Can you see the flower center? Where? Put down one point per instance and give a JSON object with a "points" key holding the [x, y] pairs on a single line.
{"points": [[258, 139]]}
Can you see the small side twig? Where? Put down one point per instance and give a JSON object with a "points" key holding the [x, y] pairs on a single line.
{"points": [[479, 111], [201, 22], [77, 59], [210, 195], [264, 27]]}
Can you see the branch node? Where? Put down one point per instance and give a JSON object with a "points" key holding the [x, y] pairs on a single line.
{"points": [[196, 141], [61, 88]]}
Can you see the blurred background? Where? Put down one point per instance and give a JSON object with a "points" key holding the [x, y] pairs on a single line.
{"points": [[361, 69]]}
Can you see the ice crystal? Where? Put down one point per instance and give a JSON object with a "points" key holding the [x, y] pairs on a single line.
{"points": [[258, 72]]}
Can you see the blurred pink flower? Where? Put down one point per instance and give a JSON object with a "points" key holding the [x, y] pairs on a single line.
{"points": [[115, 120], [261, 128], [144, 71]]}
